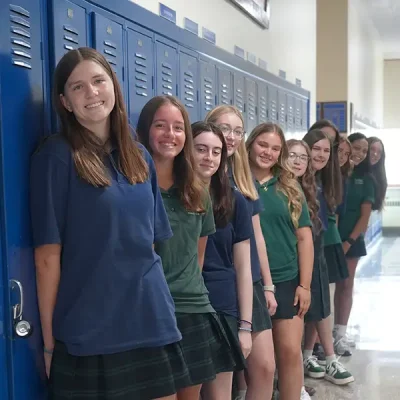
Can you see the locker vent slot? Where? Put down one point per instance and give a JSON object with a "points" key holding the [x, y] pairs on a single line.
{"points": [[251, 109], [282, 116], [263, 109], [70, 37], [20, 28], [188, 90], [239, 100], [298, 118], [290, 117], [141, 77], [274, 111]]}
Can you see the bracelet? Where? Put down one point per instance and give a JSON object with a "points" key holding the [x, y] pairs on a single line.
{"points": [[47, 351], [245, 329], [304, 288], [246, 322]]}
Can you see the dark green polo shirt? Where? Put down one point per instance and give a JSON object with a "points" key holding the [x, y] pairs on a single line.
{"points": [[179, 254], [361, 190], [331, 235], [279, 231]]}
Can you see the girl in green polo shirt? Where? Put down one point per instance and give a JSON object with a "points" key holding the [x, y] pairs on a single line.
{"points": [[353, 223], [286, 225], [164, 129]]}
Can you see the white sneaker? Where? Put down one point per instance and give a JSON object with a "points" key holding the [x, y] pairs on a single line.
{"points": [[304, 395], [341, 347]]}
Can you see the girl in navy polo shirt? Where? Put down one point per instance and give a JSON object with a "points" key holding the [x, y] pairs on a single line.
{"points": [[108, 321], [227, 270], [164, 128], [261, 362]]}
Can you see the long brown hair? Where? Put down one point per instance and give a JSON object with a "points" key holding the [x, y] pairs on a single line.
{"points": [[191, 189], [347, 168], [307, 182], [287, 181], [220, 189], [332, 194], [239, 160], [88, 150]]}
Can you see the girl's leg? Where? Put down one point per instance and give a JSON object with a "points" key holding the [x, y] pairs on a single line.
{"points": [[218, 389], [189, 393]]}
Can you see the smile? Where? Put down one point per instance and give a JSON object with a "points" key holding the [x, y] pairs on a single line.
{"points": [[168, 145], [94, 105]]}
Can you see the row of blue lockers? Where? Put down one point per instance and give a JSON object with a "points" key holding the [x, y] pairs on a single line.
{"points": [[165, 59]]}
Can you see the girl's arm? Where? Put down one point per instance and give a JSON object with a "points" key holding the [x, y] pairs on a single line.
{"points": [[201, 250]]}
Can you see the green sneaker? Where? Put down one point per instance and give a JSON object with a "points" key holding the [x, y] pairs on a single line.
{"points": [[338, 374], [312, 368]]}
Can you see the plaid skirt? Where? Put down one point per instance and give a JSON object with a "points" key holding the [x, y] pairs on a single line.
{"points": [[261, 319], [140, 374], [205, 345], [336, 261]]}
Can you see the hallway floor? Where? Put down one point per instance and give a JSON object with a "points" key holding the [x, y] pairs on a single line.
{"points": [[375, 363]]}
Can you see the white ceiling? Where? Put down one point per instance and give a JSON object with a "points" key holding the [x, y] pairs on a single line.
{"points": [[385, 14]]}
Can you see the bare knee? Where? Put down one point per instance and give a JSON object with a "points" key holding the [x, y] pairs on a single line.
{"points": [[289, 353]]}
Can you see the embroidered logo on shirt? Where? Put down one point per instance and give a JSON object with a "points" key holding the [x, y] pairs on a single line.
{"points": [[359, 181]]}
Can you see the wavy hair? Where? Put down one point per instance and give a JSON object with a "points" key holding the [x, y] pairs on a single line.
{"points": [[308, 183], [87, 149], [378, 172], [239, 160], [190, 187], [287, 181], [347, 168]]}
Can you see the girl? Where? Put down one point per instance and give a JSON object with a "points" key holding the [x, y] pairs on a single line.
{"points": [[352, 225], [164, 128], [317, 316], [378, 171], [261, 362], [285, 223], [226, 271], [90, 273]]}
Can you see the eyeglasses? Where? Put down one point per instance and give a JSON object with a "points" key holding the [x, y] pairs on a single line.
{"points": [[227, 130], [301, 157]]}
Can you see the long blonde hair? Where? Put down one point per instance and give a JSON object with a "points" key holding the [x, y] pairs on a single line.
{"points": [[239, 160], [287, 181]]}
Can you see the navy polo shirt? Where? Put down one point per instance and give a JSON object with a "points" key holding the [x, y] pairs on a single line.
{"points": [[255, 207], [323, 208], [218, 271], [112, 295]]}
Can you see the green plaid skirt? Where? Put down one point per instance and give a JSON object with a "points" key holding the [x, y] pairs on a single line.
{"points": [[140, 374], [205, 346]]}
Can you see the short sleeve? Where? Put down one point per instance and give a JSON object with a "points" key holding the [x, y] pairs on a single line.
{"points": [[369, 191], [257, 207], [49, 181], [162, 228], [304, 219], [242, 221], [208, 224]]}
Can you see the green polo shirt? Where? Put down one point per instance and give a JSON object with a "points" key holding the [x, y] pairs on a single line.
{"points": [[360, 190], [331, 235], [179, 254], [279, 231]]}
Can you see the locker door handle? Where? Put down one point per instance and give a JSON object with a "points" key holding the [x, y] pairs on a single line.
{"points": [[22, 328]]}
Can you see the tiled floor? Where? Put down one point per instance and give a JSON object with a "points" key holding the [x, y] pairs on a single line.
{"points": [[375, 363]]}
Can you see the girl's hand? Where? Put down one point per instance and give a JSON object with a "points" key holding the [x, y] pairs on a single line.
{"points": [[303, 299], [246, 342], [271, 302]]}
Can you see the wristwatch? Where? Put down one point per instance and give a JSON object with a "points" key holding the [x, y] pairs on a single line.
{"points": [[350, 241], [269, 288]]}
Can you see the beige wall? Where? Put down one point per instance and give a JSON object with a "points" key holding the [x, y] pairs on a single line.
{"points": [[392, 94], [332, 42], [289, 44], [365, 65]]}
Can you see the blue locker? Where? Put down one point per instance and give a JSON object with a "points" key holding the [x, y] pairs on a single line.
{"points": [[290, 113], [251, 105], [23, 123], [188, 82], [225, 92], [282, 109], [166, 68], [207, 87], [262, 102], [140, 71], [69, 28], [238, 86], [107, 37], [273, 104], [297, 115], [304, 115]]}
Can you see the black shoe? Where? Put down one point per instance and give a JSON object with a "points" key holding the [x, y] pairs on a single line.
{"points": [[320, 354]]}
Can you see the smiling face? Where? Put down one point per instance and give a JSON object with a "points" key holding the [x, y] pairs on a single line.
{"points": [[344, 153], [298, 159], [232, 128], [207, 154], [320, 153], [89, 94], [265, 150], [359, 150], [167, 132], [376, 151]]}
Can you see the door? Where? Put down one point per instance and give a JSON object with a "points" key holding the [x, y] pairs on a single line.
{"points": [[107, 39], [251, 105], [140, 72], [166, 68], [188, 82], [225, 91], [262, 100], [21, 125], [207, 87]]}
